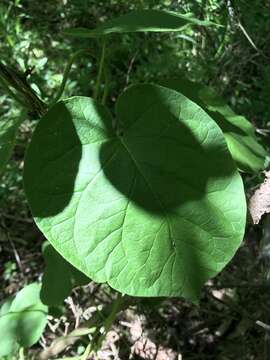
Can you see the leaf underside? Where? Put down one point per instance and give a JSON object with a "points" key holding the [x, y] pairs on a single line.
{"points": [[154, 211], [140, 21]]}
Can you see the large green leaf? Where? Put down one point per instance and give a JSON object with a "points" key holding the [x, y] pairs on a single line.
{"points": [[239, 132], [8, 131], [59, 277], [22, 320], [138, 21], [155, 210]]}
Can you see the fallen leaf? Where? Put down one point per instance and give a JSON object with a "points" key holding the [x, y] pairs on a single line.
{"points": [[260, 201]]}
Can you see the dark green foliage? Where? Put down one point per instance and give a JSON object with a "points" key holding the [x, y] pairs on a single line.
{"points": [[59, 278], [239, 133], [140, 21]]}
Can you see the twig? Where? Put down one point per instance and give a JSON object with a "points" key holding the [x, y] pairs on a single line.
{"points": [[131, 63], [261, 284], [77, 313], [263, 325], [264, 132], [15, 252], [244, 31], [100, 70], [231, 304], [235, 21], [17, 218]]}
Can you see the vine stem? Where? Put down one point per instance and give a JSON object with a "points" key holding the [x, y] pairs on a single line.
{"points": [[66, 74], [100, 70], [106, 86], [105, 316], [116, 308]]}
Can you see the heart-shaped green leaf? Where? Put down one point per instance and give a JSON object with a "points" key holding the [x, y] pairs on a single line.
{"points": [[155, 210], [140, 21], [239, 132], [59, 278], [22, 320]]}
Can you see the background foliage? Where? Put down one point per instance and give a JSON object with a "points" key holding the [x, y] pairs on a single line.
{"points": [[234, 59]]}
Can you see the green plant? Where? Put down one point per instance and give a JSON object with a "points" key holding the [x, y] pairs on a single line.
{"points": [[149, 200], [59, 277], [22, 320]]}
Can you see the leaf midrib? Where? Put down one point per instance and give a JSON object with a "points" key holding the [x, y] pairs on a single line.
{"points": [[162, 207]]}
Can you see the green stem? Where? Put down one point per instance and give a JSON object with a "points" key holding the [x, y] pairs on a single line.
{"points": [[100, 70], [116, 307], [90, 326], [66, 74], [106, 86]]}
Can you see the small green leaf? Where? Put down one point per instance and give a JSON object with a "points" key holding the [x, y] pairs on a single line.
{"points": [[22, 320], [140, 21], [5, 307], [59, 278], [8, 131], [153, 211], [238, 131]]}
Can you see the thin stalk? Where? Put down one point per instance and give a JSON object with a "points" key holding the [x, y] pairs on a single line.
{"points": [[90, 326], [237, 308], [106, 86], [116, 307], [66, 74], [244, 31], [100, 70]]}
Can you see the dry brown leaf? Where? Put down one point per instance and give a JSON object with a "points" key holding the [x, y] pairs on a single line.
{"points": [[259, 203]]}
